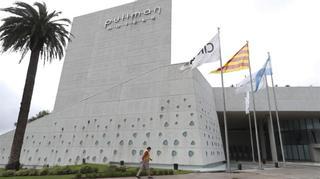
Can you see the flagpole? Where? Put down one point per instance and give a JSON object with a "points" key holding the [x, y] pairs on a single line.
{"points": [[224, 110], [251, 138], [254, 114], [277, 115], [247, 103], [272, 139]]}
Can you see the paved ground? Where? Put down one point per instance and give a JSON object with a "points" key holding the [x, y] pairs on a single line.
{"points": [[289, 172]]}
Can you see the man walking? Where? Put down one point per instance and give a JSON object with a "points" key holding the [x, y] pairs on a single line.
{"points": [[145, 162]]}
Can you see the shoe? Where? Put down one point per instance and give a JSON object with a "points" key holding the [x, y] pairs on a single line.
{"points": [[150, 177], [138, 177]]}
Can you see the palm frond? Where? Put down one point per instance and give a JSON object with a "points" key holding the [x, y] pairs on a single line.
{"points": [[30, 28]]}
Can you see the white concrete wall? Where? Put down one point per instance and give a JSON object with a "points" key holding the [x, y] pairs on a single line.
{"points": [[211, 141], [98, 58], [303, 99], [165, 109], [119, 94]]}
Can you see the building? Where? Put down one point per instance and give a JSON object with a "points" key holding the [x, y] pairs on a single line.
{"points": [[119, 93], [299, 121]]}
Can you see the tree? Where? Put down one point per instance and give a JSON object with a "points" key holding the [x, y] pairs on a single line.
{"points": [[36, 30], [37, 116]]}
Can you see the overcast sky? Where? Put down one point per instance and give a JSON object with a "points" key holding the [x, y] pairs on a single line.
{"points": [[289, 29]]}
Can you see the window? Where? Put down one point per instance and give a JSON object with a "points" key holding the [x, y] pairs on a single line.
{"points": [[190, 153], [185, 134], [174, 153], [165, 142], [166, 124], [148, 134], [316, 123], [135, 135], [309, 124]]}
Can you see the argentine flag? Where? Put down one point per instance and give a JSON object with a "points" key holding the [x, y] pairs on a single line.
{"points": [[264, 71]]}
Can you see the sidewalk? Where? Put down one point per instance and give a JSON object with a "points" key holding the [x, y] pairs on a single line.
{"points": [[289, 172]]}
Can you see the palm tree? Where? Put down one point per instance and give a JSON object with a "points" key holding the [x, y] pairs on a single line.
{"points": [[39, 31]]}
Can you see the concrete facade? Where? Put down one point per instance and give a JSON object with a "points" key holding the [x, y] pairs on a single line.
{"points": [[119, 93], [290, 99], [299, 122]]}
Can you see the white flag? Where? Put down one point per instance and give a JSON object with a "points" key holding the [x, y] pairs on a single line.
{"points": [[245, 86], [209, 53], [247, 102]]}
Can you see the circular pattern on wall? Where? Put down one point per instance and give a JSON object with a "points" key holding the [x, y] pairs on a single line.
{"points": [[190, 153], [165, 142], [105, 159], [174, 153]]}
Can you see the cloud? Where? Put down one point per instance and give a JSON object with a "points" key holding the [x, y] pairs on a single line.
{"points": [[271, 6], [9, 108]]}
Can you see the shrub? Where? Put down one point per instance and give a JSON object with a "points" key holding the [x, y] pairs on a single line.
{"points": [[110, 169], [8, 173], [120, 169], [162, 172], [77, 176], [131, 171], [44, 171], [65, 170], [103, 175], [33, 172], [88, 169], [113, 167], [90, 175], [23, 172]]}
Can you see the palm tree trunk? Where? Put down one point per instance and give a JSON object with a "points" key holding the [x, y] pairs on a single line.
{"points": [[14, 159]]}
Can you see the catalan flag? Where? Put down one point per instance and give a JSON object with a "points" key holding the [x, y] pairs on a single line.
{"points": [[239, 61]]}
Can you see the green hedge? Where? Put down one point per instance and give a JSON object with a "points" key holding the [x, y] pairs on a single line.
{"points": [[8, 173], [86, 171]]}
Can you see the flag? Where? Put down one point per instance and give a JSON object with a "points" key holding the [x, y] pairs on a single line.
{"points": [[239, 61], [265, 70], [247, 102], [245, 86], [209, 53]]}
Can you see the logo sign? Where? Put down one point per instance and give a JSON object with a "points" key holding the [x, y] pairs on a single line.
{"points": [[133, 18], [207, 49]]}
